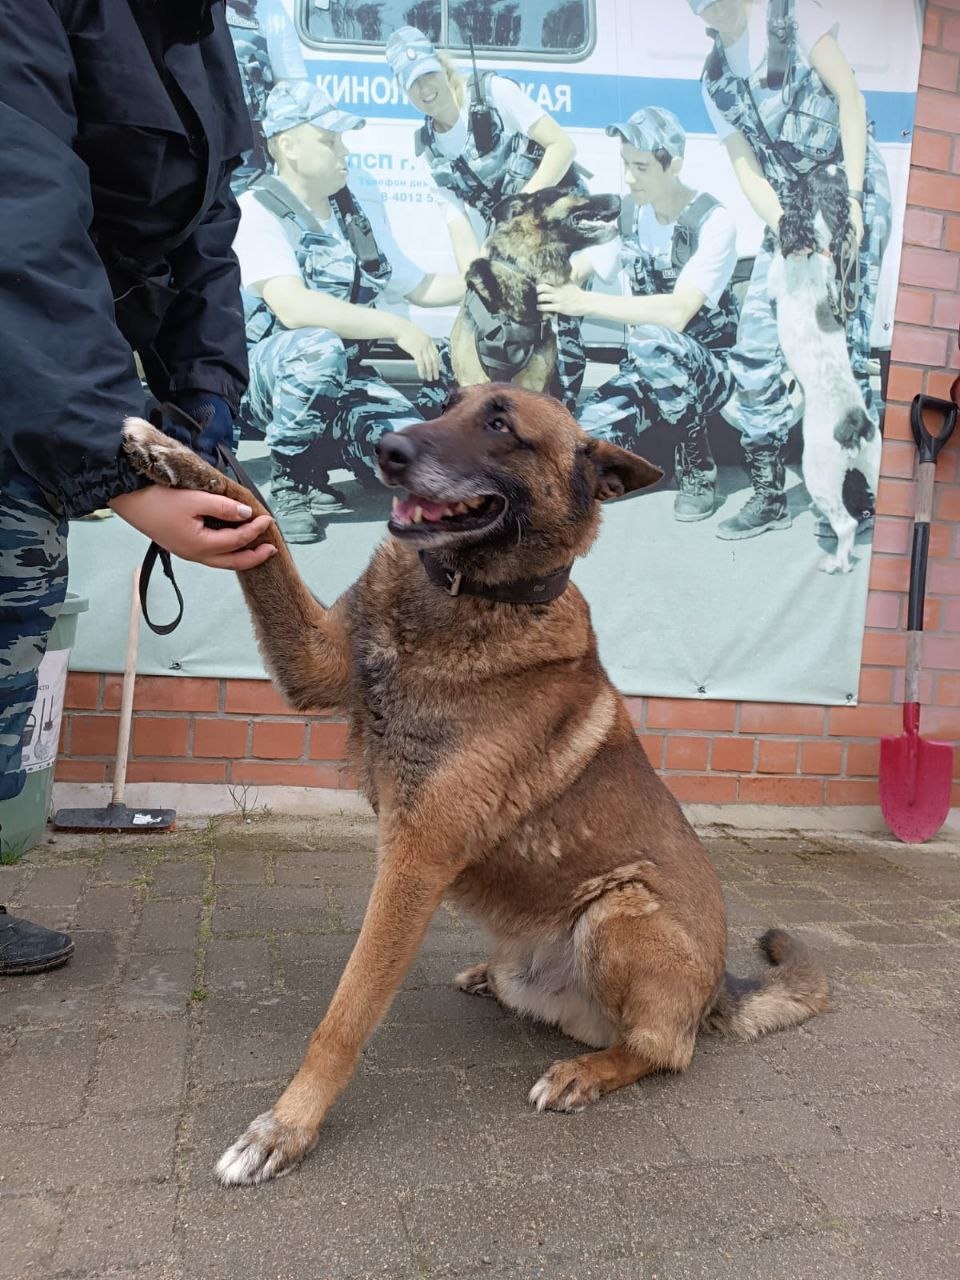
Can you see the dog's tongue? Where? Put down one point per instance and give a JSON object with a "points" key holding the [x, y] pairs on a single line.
{"points": [[404, 508]]}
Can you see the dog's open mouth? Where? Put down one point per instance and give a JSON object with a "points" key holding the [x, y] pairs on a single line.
{"points": [[418, 515]]}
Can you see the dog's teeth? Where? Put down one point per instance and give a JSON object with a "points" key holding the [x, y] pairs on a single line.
{"points": [[417, 515], [460, 508], [474, 502]]}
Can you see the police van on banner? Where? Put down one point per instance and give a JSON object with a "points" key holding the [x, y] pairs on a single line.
{"points": [[587, 63]]}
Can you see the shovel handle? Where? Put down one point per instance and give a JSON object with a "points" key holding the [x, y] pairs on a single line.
{"points": [[930, 445], [126, 698]]}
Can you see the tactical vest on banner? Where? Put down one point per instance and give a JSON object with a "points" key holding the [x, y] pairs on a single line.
{"points": [[653, 273], [793, 131], [481, 181], [257, 79], [350, 268]]}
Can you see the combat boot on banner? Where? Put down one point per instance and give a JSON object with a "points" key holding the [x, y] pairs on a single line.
{"points": [[767, 508]]}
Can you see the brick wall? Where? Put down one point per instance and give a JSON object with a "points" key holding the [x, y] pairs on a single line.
{"points": [[238, 731]]}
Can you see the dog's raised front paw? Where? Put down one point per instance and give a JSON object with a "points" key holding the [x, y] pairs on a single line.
{"points": [[268, 1149], [165, 461], [567, 1086], [475, 981]]}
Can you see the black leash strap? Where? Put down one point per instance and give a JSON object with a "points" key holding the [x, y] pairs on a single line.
{"points": [[227, 463]]}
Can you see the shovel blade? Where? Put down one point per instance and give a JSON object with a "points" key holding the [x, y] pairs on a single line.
{"points": [[916, 777]]}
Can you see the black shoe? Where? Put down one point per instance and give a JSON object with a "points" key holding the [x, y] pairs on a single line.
{"points": [[30, 948], [767, 508], [695, 472]]}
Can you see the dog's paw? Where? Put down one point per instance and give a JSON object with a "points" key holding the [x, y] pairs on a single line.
{"points": [[567, 1086], [475, 981], [268, 1149], [167, 462], [834, 564]]}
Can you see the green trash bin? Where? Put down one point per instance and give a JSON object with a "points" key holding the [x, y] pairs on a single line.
{"points": [[23, 818]]}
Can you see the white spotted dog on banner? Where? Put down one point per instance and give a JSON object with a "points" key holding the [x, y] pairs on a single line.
{"points": [[841, 446]]}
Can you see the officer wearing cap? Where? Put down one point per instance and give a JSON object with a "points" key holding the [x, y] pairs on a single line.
{"points": [[784, 101], [479, 144], [677, 249], [313, 264]]}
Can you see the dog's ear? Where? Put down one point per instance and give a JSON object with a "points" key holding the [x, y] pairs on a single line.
{"points": [[617, 471], [509, 207], [482, 279]]}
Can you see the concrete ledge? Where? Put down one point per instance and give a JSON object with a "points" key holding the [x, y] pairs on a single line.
{"points": [[201, 800]]}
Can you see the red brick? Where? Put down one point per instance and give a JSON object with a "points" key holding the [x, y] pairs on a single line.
{"points": [[733, 755], [950, 38], [636, 709], [896, 418], [928, 268], [914, 306], [920, 226], [940, 534], [675, 713], [904, 383], [940, 723], [889, 573], [946, 311], [947, 504], [349, 780], [256, 698], [839, 791], [943, 579], [935, 110], [222, 738], [653, 745], [940, 653], [883, 609], [899, 686], [892, 535], [939, 70], [772, 717], [276, 740], [932, 27], [938, 383], [952, 241], [930, 150], [160, 736], [863, 722], [898, 459], [821, 758], [896, 497], [948, 690], [83, 690], [919, 346], [777, 757], [94, 735], [165, 693], [285, 775], [875, 685], [176, 771], [687, 753], [328, 740], [882, 649], [799, 791], [80, 771], [695, 789], [863, 760], [949, 616], [932, 613]]}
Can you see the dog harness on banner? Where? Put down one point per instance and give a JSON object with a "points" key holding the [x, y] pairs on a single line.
{"points": [[715, 327], [352, 269], [504, 345]]}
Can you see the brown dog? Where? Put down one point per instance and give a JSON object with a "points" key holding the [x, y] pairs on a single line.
{"points": [[499, 334], [503, 766]]}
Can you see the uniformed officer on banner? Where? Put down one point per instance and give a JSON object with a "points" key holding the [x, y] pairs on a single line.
{"points": [[313, 264], [678, 251]]}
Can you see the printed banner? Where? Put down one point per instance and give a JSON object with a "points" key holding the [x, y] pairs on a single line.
{"points": [[684, 221]]}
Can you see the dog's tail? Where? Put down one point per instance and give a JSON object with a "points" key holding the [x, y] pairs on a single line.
{"points": [[793, 991]]}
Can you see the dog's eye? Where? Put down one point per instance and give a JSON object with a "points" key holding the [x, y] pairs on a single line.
{"points": [[500, 425]]}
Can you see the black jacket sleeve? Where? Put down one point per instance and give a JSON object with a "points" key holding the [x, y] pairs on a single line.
{"points": [[202, 340], [67, 377]]}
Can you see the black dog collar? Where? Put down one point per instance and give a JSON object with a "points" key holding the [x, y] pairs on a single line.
{"points": [[523, 591]]}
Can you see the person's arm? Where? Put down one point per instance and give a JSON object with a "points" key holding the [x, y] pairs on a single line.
{"points": [[673, 310], [829, 62], [437, 290], [283, 43], [558, 154], [763, 199], [466, 247], [202, 340]]}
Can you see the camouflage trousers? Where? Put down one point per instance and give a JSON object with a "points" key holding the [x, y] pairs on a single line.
{"points": [[309, 391], [764, 412], [33, 584], [665, 377]]}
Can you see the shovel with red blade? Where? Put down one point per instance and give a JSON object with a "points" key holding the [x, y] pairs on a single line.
{"points": [[915, 773]]}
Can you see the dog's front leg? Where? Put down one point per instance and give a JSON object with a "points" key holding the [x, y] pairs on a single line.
{"points": [[411, 881]]}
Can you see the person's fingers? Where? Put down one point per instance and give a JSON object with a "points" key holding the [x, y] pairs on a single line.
{"points": [[221, 507], [433, 363], [225, 541], [239, 561]]}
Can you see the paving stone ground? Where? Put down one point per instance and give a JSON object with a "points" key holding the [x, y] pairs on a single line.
{"points": [[205, 958]]}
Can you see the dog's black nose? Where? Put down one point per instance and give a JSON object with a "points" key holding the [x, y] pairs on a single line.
{"points": [[395, 452]]}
